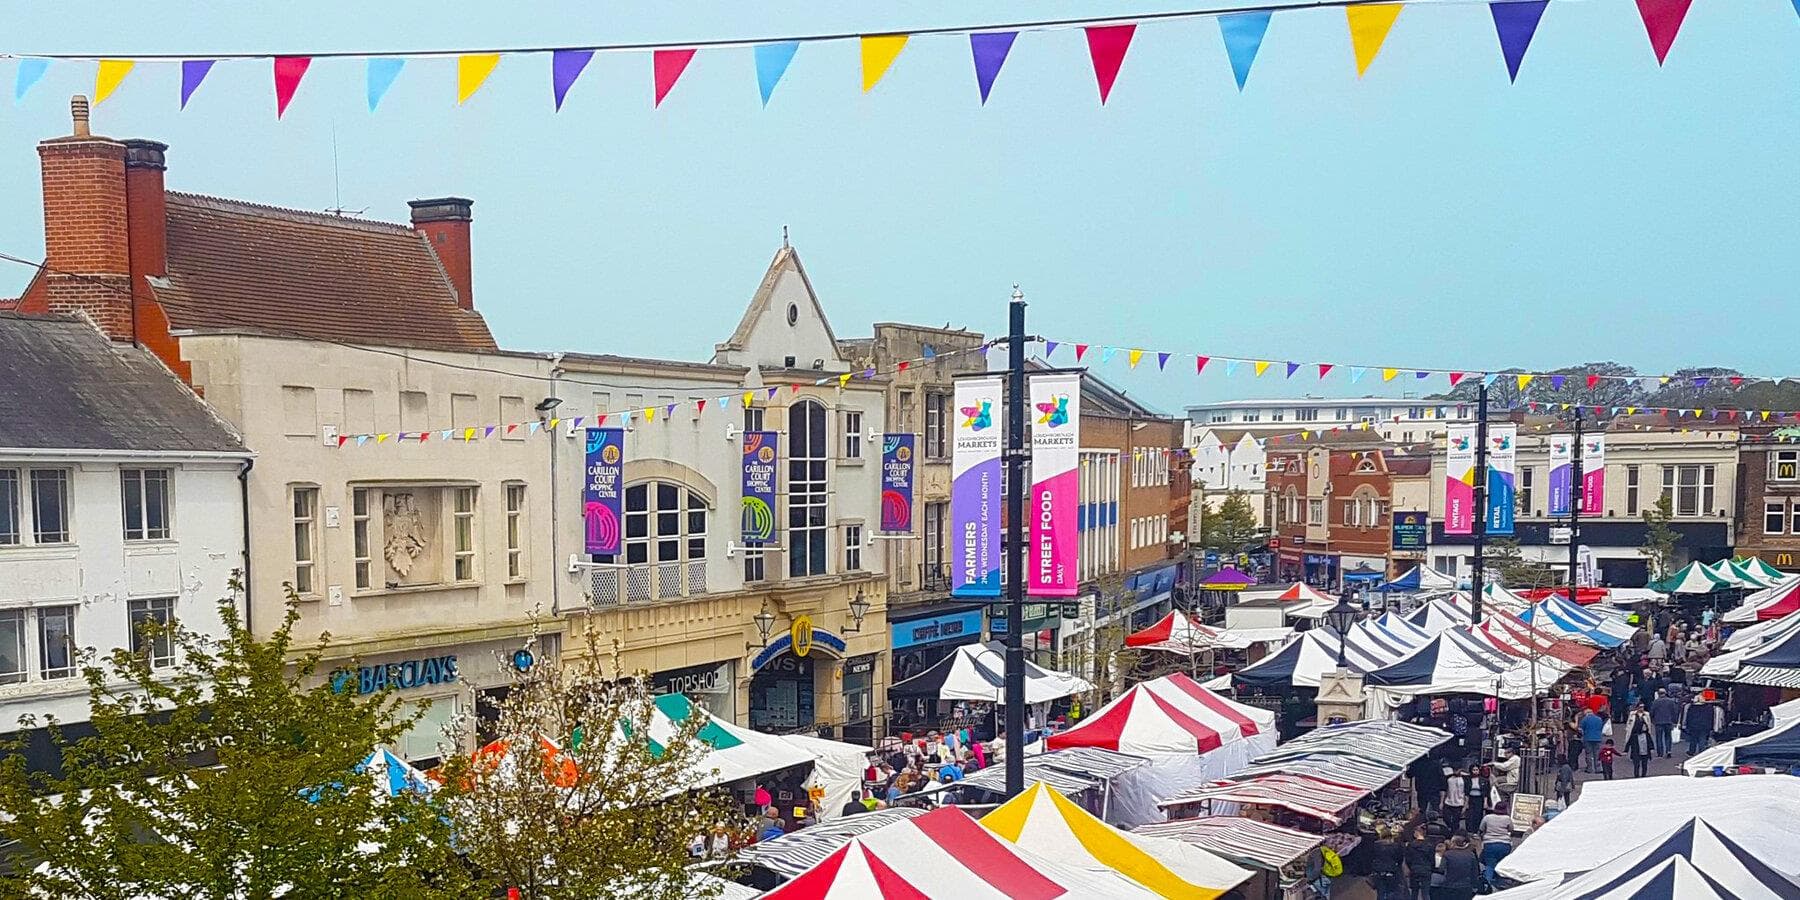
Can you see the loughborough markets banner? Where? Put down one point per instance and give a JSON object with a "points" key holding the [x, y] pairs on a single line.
{"points": [[1503, 469], [760, 463], [1459, 480], [1593, 474], [1562, 485], [1055, 485], [896, 483], [975, 489], [603, 490]]}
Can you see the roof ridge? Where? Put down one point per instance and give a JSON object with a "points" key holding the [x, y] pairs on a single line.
{"points": [[305, 216]]}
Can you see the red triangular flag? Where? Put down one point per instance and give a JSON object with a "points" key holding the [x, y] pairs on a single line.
{"points": [[288, 72], [700, 406], [342, 438], [1593, 380], [1324, 369], [1662, 21], [1200, 363], [1455, 377], [902, 366], [1736, 380], [1079, 349], [1106, 48], [668, 65], [510, 428], [795, 387], [599, 420]]}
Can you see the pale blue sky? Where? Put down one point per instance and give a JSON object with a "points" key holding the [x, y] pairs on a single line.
{"points": [[1429, 214]]}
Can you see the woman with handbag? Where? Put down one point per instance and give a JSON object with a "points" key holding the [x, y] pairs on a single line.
{"points": [[1640, 742]]}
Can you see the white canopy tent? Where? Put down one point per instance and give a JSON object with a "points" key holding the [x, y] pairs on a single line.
{"points": [[1699, 859], [978, 672]]}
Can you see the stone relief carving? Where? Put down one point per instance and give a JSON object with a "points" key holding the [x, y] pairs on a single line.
{"points": [[403, 526]]}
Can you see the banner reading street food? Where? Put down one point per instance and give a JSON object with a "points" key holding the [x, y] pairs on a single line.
{"points": [[1593, 475], [603, 490], [1459, 480], [1055, 413], [1503, 468], [1562, 485], [896, 483], [758, 500], [975, 489]]}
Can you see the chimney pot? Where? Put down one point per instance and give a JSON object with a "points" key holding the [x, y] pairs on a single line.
{"points": [[145, 154], [442, 209], [444, 223], [78, 110]]}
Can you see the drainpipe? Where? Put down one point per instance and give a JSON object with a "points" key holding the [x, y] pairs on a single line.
{"points": [[244, 503], [556, 575]]}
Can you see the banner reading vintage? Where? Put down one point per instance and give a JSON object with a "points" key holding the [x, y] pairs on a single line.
{"points": [[603, 490], [1503, 469], [896, 483], [1459, 480], [1562, 485], [1055, 413], [761, 460], [1593, 474], [975, 489]]}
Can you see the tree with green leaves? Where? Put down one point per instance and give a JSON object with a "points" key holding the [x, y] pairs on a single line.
{"points": [[229, 775], [1504, 557], [1617, 386], [1230, 526], [1660, 539]]}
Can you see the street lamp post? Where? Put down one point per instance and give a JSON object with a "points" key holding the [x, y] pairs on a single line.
{"points": [[1340, 618]]}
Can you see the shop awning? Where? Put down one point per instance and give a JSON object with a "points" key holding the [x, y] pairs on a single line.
{"points": [[1247, 841], [978, 672], [1296, 793]]}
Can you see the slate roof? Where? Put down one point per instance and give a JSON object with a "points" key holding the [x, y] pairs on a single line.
{"points": [[239, 266], [68, 387]]}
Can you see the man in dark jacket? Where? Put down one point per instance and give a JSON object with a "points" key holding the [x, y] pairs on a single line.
{"points": [[1665, 711], [1697, 726], [1428, 779], [1462, 870]]}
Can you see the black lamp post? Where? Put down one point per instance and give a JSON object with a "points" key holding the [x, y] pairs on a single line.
{"points": [[1340, 618]]}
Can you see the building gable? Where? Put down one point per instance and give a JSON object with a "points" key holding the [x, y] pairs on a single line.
{"points": [[784, 326]]}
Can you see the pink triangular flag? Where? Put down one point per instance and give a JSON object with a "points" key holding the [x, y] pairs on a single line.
{"points": [[288, 72], [1324, 369], [669, 64], [1662, 20], [1106, 48]]}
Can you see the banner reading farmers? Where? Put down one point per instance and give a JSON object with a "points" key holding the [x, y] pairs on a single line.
{"points": [[1593, 474], [1503, 468], [1562, 484], [603, 490], [896, 483], [975, 489], [760, 463], [1459, 480], [1055, 413]]}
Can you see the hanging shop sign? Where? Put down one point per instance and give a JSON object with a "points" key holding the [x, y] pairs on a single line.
{"points": [[603, 490], [1055, 489], [897, 483], [760, 464], [1502, 459], [956, 626], [975, 489], [1411, 530], [695, 681]]}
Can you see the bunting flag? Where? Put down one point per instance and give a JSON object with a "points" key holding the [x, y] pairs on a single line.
{"points": [[1592, 380], [990, 49], [379, 75], [1049, 349], [1200, 364], [31, 71], [1162, 361], [1106, 49], [288, 72], [1515, 21], [1369, 25], [1133, 358], [1455, 377], [111, 74], [1243, 33], [1662, 21], [1356, 373], [472, 71], [772, 63], [1261, 367], [1324, 370], [1292, 367], [193, 71], [565, 67], [1080, 349], [1231, 366], [1106, 354], [878, 53], [1524, 381], [668, 66], [1388, 374]]}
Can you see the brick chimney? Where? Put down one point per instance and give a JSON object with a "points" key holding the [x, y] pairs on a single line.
{"points": [[445, 224], [87, 253]]}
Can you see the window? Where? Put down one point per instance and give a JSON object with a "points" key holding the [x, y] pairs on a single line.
{"points": [[1251, 415], [56, 641], [159, 648], [13, 667], [936, 514], [1631, 490], [306, 514], [753, 418], [1306, 415], [462, 515], [1278, 415], [903, 419], [515, 531], [754, 566], [1446, 564], [1689, 489], [9, 507], [359, 536], [1784, 465], [937, 421], [853, 436], [1527, 476], [50, 506], [853, 547], [664, 523], [1774, 516], [146, 493], [807, 490], [1315, 512], [1218, 418]]}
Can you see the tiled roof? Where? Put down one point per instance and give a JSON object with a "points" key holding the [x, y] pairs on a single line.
{"points": [[243, 267], [77, 390]]}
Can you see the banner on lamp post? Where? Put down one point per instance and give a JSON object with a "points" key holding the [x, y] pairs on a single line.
{"points": [[1503, 473], [1459, 480], [761, 460], [1593, 474], [1562, 483], [975, 489], [897, 483], [1055, 412], [603, 490]]}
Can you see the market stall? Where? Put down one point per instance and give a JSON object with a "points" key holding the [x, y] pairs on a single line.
{"points": [[1774, 602], [1702, 858], [1286, 860], [1777, 749], [978, 672], [1693, 578], [1419, 578]]}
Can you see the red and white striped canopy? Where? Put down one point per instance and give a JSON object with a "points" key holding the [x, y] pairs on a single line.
{"points": [[1303, 591], [944, 853], [1177, 633], [1170, 715]]}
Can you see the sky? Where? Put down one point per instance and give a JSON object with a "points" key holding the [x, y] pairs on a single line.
{"points": [[1429, 214]]}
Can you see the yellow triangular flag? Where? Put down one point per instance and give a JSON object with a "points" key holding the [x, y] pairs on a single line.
{"points": [[1369, 26], [1565, 406], [878, 52], [1765, 415], [1262, 365], [1696, 414], [1132, 358], [747, 398], [381, 437], [1525, 380], [468, 434], [1630, 410], [1305, 434], [1388, 374], [843, 379], [472, 70], [553, 422], [112, 73]]}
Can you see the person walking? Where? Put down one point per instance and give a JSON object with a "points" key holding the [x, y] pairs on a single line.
{"points": [[1456, 800], [1565, 783], [1461, 868], [1665, 711], [1639, 742], [1607, 754], [1421, 860], [1659, 650], [1593, 731], [1385, 862], [1697, 725], [1496, 841]]}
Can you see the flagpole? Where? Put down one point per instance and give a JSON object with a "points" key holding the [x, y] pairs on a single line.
{"points": [[1577, 480], [1015, 546], [1479, 519]]}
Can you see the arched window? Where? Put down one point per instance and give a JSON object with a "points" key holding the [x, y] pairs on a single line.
{"points": [[664, 523], [808, 490]]}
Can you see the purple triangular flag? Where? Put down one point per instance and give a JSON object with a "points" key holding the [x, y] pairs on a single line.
{"points": [[990, 51], [565, 67], [1049, 348], [1556, 382], [193, 71], [1700, 382], [1515, 23], [1292, 368], [1162, 360]]}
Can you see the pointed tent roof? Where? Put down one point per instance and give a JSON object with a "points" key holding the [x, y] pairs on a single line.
{"points": [[1755, 564], [1449, 664], [1438, 614], [1693, 578], [1697, 859], [1303, 591], [1769, 603], [1547, 617], [1398, 625], [1777, 748], [1510, 634], [1729, 571], [1301, 661], [1419, 578], [1047, 823], [1775, 664], [1597, 619], [1226, 579], [1172, 715], [394, 776], [977, 672], [1746, 641], [1177, 632]]}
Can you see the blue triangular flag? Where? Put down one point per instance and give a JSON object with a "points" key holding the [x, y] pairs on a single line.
{"points": [[1162, 360], [193, 71], [1292, 368], [1514, 24], [381, 74], [31, 70], [1243, 33], [1050, 346], [990, 51], [1356, 373], [772, 63]]}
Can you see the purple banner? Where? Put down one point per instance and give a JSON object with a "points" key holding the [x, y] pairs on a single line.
{"points": [[896, 483], [603, 490], [975, 489], [1562, 474], [759, 486]]}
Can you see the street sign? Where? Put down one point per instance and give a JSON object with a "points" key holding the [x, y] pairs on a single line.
{"points": [[1559, 534]]}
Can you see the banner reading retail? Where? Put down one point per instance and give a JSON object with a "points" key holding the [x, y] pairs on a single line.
{"points": [[1503, 468], [1562, 485], [760, 463], [1055, 485], [1459, 480], [1593, 474], [975, 489], [602, 491], [896, 483]]}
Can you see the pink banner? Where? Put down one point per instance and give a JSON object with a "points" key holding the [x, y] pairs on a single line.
{"points": [[1459, 480]]}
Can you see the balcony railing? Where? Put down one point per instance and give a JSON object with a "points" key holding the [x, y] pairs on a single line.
{"points": [[612, 585]]}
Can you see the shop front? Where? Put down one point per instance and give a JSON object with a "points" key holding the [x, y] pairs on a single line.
{"points": [[791, 680], [1290, 564], [859, 699], [921, 642], [1043, 621], [1322, 570], [713, 685]]}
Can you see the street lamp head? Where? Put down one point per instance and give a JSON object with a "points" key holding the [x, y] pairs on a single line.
{"points": [[859, 607], [765, 623], [1342, 616]]}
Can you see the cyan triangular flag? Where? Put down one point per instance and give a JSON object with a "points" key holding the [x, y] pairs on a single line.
{"points": [[381, 74], [1231, 367], [1489, 379], [32, 70], [1243, 33], [1106, 354], [772, 63], [1356, 373]]}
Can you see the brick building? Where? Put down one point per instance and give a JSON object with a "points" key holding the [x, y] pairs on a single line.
{"points": [[1333, 507], [1768, 506]]}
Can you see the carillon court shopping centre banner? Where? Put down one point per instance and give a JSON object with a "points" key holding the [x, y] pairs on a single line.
{"points": [[1055, 414], [897, 483], [975, 488], [603, 490], [761, 462]]}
